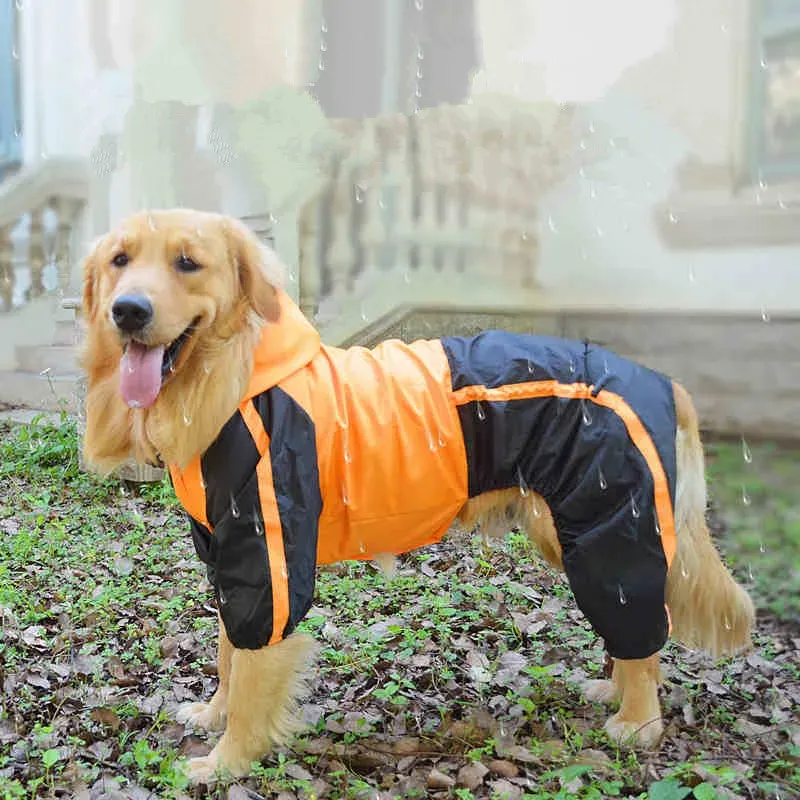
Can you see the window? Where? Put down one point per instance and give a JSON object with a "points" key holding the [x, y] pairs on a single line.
{"points": [[775, 111], [10, 117]]}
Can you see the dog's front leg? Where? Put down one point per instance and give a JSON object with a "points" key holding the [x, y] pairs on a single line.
{"points": [[263, 691], [211, 716], [638, 721]]}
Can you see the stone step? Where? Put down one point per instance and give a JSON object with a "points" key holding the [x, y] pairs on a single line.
{"points": [[41, 392], [56, 359], [67, 331]]}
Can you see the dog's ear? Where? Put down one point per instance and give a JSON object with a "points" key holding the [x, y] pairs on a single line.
{"points": [[90, 278], [259, 271]]}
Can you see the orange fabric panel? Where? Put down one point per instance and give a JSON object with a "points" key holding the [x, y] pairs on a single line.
{"points": [[391, 455], [272, 523], [636, 430], [190, 489]]}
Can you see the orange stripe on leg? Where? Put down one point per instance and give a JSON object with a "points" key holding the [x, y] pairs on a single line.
{"points": [[272, 523]]}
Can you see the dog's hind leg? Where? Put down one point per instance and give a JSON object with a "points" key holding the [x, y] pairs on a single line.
{"points": [[638, 721], [263, 691], [211, 716]]}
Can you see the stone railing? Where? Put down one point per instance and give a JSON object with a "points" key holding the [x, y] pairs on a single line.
{"points": [[438, 208], [39, 211]]}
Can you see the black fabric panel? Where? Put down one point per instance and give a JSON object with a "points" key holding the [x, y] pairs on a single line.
{"points": [[227, 465], [295, 475], [581, 459], [205, 547]]}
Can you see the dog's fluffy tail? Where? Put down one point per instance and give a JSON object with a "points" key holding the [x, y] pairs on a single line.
{"points": [[710, 611]]}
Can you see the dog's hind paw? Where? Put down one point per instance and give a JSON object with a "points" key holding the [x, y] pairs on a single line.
{"points": [[600, 691], [201, 715], [644, 735]]}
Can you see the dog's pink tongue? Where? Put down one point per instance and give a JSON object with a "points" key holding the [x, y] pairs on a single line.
{"points": [[140, 374]]}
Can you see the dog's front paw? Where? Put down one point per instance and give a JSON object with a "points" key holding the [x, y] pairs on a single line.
{"points": [[201, 715], [600, 691], [645, 735], [202, 770]]}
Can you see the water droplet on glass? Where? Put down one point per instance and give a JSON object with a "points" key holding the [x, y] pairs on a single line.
{"points": [[747, 453], [634, 508], [551, 224], [235, 513], [603, 481], [479, 411], [622, 599], [585, 413], [745, 497], [523, 487], [765, 315]]}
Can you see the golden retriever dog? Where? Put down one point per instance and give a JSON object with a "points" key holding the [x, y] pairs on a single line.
{"points": [[287, 453]]}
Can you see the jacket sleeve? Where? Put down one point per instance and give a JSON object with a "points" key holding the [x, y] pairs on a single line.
{"points": [[266, 543]]}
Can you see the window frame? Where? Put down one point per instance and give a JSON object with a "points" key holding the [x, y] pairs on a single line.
{"points": [[766, 26]]}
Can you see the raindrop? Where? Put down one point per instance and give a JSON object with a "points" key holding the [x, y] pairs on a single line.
{"points": [[781, 201], [585, 413], [206, 369], [345, 498], [420, 53], [406, 275], [346, 454], [551, 224], [605, 366], [524, 236], [745, 497], [151, 223], [202, 482], [324, 27], [622, 599], [673, 218], [14, 53], [658, 525], [418, 91], [363, 314], [235, 513], [634, 508], [591, 127], [592, 192], [582, 144], [442, 441], [381, 203], [537, 512], [20, 4], [684, 572], [431, 440], [571, 366], [359, 192], [479, 410], [258, 527], [747, 454], [187, 418], [18, 133], [222, 598], [419, 4], [692, 276], [603, 481], [599, 231], [750, 576], [321, 64], [727, 624], [764, 315], [762, 548], [362, 548], [764, 63], [284, 572], [43, 155], [523, 487], [323, 46], [724, 27], [762, 184], [530, 367]]}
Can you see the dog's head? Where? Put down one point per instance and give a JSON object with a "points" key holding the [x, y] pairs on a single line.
{"points": [[169, 284]]}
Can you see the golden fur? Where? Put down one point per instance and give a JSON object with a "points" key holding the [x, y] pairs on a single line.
{"points": [[232, 297]]}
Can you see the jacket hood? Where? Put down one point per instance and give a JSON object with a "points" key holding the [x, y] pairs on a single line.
{"points": [[285, 346]]}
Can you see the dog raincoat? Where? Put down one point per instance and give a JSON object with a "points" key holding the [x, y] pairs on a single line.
{"points": [[344, 454]]}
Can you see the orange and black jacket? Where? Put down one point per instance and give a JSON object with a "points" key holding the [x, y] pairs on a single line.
{"points": [[344, 454]]}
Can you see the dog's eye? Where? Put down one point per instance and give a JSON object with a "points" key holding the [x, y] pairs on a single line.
{"points": [[185, 264], [120, 260]]}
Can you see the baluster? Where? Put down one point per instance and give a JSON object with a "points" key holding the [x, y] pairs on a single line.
{"points": [[310, 267], [36, 255], [373, 228], [7, 276], [66, 210], [427, 226]]}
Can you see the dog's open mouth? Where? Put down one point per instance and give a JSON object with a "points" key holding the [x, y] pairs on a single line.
{"points": [[145, 368]]}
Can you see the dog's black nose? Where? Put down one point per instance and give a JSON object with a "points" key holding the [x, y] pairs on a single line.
{"points": [[132, 312]]}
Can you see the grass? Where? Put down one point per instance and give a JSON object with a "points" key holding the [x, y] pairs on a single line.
{"points": [[468, 663]]}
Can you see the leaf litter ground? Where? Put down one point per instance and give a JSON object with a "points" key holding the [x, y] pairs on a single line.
{"points": [[458, 678]]}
